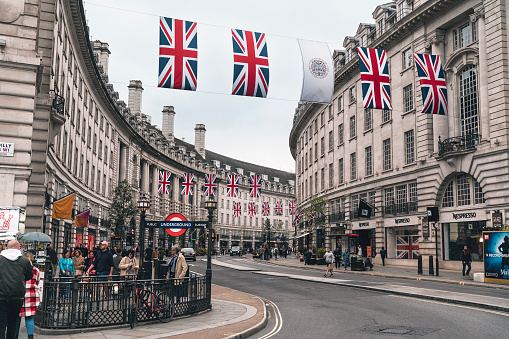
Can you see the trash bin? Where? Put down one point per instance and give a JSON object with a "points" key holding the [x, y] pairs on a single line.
{"points": [[163, 271], [313, 259], [356, 263]]}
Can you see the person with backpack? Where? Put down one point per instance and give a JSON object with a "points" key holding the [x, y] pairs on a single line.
{"points": [[329, 261]]}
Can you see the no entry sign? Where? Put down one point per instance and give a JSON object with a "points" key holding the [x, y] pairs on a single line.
{"points": [[175, 232]]}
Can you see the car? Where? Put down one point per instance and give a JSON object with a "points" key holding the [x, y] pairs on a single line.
{"points": [[235, 251], [188, 253]]}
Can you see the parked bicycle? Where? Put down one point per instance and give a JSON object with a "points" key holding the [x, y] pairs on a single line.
{"points": [[160, 304]]}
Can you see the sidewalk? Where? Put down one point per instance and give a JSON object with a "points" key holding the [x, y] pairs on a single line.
{"points": [[234, 314]]}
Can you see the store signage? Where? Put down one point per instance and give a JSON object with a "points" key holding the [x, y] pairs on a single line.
{"points": [[6, 149], [496, 257], [433, 213], [468, 215], [402, 221], [496, 219], [425, 228], [9, 220], [364, 224]]}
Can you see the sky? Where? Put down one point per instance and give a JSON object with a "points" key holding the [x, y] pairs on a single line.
{"points": [[255, 130]]}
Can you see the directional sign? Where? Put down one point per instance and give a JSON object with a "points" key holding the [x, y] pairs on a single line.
{"points": [[200, 224], [176, 224], [175, 232]]}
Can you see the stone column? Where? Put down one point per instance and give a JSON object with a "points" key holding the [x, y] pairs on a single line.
{"points": [[122, 162], [482, 71], [440, 123], [155, 201], [145, 172]]}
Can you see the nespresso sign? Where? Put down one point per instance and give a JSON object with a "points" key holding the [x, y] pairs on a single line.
{"points": [[402, 221], [469, 215]]}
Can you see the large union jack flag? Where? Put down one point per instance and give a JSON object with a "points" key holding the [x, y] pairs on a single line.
{"points": [[251, 209], [164, 182], [210, 185], [237, 209], [266, 209], [432, 80], [232, 187], [178, 54], [251, 64], [187, 184], [376, 90], [255, 185], [291, 207], [407, 247], [279, 208]]}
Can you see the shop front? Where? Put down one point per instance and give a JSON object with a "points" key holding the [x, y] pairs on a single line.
{"points": [[366, 236], [402, 237], [338, 237]]}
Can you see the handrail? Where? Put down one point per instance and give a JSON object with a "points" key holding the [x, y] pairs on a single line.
{"points": [[458, 144]]}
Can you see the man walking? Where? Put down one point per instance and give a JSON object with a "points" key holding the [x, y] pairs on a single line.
{"points": [[329, 261], [178, 269], [344, 256], [465, 259], [383, 254], [16, 269], [103, 262], [337, 257]]}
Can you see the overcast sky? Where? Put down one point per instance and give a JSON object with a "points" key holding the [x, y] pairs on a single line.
{"points": [[249, 129]]}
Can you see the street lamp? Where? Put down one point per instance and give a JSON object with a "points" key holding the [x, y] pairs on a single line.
{"points": [[211, 206], [143, 205]]}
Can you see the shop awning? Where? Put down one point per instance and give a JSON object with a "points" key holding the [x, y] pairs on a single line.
{"points": [[299, 236]]}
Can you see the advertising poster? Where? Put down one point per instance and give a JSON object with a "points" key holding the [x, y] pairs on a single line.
{"points": [[9, 222], [496, 257]]}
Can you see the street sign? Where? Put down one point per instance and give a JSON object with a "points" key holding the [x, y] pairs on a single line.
{"points": [[175, 217], [436, 225], [200, 224]]}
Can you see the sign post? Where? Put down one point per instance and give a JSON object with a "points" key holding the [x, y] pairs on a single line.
{"points": [[434, 217]]}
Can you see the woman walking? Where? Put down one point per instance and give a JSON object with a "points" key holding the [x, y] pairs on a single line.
{"points": [[32, 300], [129, 264]]}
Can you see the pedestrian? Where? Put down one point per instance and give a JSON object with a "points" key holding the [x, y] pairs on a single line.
{"points": [[69, 247], [129, 264], [78, 262], [52, 255], [31, 301], [359, 250], [116, 261], [329, 261], [148, 254], [88, 262], [66, 264], [383, 254], [345, 258], [114, 251], [368, 263], [307, 257], [155, 254], [178, 269], [466, 259], [16, 270], [84, 250], [337, 257], [275, 253], [103, 263]]}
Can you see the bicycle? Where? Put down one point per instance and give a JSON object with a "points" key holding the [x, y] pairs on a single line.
{"points": [[160, 304]]}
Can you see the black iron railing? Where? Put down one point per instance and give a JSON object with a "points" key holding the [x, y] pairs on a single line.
{"points": [[90, 302], [458, 144], [93, 220], [58, 104], [335, 217], [403, 208]]}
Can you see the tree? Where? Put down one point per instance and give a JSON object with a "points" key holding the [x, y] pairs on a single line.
{"points": [[317, 207], [267, 233], [122, 209]]}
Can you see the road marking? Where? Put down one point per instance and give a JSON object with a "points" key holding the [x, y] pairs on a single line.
{"points": [[455, 305], [279, 320]]}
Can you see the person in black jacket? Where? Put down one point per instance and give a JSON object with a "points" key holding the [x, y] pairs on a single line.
{"points": [[466, 259], [16, 269], [337, 257], [383, 254], [52, 255]]}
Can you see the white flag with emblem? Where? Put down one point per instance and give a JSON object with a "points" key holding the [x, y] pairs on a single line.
{"points": [[318, 82]]}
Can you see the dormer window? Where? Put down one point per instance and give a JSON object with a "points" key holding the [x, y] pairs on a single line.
{"points": [[381, 27], [240, 171], [217, 163], [276, 179], [265, 177]]}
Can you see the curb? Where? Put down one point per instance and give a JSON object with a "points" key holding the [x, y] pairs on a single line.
{"points": [[254, 329]]}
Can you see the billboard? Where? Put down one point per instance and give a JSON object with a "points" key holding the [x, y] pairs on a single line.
{"points": [[9, 222], [496, 257]]}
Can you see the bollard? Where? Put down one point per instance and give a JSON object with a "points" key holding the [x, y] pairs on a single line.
{"points": [[431, 271], [419, 265], [147, 270]]}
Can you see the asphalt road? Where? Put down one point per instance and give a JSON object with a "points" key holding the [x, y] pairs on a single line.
{"points": [[302, 309]]}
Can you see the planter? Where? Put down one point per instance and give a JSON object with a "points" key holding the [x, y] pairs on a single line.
{"points": [[321, 261]]}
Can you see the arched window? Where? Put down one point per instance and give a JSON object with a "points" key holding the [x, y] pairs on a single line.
{"points": [[469, 111], [462, 190]]}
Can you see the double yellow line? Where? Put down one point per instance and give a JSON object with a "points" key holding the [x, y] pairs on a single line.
{"points": [[279, 320]]}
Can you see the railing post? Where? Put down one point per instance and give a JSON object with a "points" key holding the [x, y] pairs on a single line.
{"points": [[74, 296]]}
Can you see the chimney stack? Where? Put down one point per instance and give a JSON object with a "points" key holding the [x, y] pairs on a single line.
{"points": [[134, 98], [199, 139], [103, 54], [168, 122]]}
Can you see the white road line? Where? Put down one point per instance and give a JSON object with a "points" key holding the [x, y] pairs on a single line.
{"points": [[279, 320]]}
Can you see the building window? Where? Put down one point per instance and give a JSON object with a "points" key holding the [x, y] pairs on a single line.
{"points": [[412, 190], [367, 119], [355, 203], [380, 27], [331, 175], [340, 103], [341, 134], [465, 35], [407, 58], [316, 125], [316, 182], [401, 195], [331, 140], [469, 114], [448, 197], [64, 149], [369, 161], [353, 164], [341, 171], [87, 172], [387, 154], [322, 177], [386, 115], [331, 114], [322, 119], [409, 147], [408, 98], [455, 39], [389, 196], [478, 194], [316, 151], [463, 184], [352, 94], [322, 146], [352, 127]]}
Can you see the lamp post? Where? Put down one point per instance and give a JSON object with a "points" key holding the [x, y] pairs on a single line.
{"points": [[143, 205], [211, 206]]}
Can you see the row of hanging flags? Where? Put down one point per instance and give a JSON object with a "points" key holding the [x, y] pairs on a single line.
{"points": [[178, 68], [62, 209]]}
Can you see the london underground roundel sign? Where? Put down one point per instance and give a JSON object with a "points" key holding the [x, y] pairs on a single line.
{"points": [[175, 232]]}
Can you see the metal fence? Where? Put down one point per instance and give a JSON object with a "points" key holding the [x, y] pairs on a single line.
{"points": [[84, 302]]}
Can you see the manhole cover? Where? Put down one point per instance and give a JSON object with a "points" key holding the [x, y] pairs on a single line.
{"points": [[397, 330]]}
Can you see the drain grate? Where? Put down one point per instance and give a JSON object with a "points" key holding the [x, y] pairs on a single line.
{"points": [[397, 330]]}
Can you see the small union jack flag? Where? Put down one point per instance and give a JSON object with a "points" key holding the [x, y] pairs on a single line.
{"points": [[237, 209], [291, 207], [407, 247], [187, 184], [251, 64], [232, 187], [266, 209], [251, 209], [255, 185], [210, 185], [178, 54], [376, 89], [298, 216], [164, 182], [432, 80], [311, 214], [279, 208]]}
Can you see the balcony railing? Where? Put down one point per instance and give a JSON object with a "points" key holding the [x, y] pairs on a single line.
{"points": [[335, 217], [403, 208], [58, 104], [458, 144]]}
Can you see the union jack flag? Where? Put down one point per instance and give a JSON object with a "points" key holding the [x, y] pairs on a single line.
{"points": [[178, 54], [298, 216], [232, 188], [376, 89], [291, 207], [164, 182], [266, 209], [311, 214], [187, 184], [255, 185], [210, 185], [407, 247], [251, 209], [237, 208], [432, 80], [251, 64], [279, 208]]}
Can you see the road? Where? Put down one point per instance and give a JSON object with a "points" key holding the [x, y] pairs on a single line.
{"points": [[304, 309]]}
